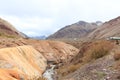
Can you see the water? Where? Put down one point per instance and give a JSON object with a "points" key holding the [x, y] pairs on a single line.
{"points": [[49, 73]]}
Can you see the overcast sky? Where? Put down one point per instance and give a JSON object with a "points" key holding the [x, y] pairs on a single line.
{"points": [[44, 17]]}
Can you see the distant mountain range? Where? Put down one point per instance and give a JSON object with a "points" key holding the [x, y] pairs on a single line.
{"points": [[39, 37], [95, 30], [76, 30], [81, 29]]}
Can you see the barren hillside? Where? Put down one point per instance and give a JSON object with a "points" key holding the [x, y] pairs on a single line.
{"points": [[108, 29], [76, 30], [7, 30], [96, 60]]}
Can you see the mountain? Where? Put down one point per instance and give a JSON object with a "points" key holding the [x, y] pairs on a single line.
{"points": [[99, 23], [108, 29], [39, 37], [7, 30], [76, 30]]}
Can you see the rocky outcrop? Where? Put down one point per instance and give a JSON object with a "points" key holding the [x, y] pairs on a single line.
{"points": [[24, 58], [54, 51]]}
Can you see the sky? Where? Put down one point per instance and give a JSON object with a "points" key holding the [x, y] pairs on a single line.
{"points": [[44, 17]]}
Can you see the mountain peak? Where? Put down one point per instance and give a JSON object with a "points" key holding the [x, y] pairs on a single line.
{"points": [[99, 23], [76, 30], [81, 23]]}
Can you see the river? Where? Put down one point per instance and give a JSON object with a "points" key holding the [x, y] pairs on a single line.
{"points": [[49, 73]]}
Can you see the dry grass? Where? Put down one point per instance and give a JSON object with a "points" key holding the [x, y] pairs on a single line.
{"points": [[97, 50], [117, 56], [38, 78], [6, 35], [90, 52], [65, 70], [117, 53], [76, 43]]}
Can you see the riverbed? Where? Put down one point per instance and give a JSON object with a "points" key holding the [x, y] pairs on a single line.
{"points": [[50, 73]]}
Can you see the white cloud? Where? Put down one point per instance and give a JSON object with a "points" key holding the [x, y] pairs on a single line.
{"points": [[34, 25], [40, 17]]}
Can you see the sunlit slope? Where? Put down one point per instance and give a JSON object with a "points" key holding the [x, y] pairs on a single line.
{"points": [[24, 58]]}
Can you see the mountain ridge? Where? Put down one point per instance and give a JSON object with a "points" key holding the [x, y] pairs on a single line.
{"points": [[8, 30], [108, 29], [76, 30]]}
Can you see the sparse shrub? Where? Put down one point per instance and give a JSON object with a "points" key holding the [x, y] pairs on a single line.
{"points": [[100, 74], [38, 78], [10, 36], [118, 77], [73, 68], [1, 34], [97, 50], [65, 70], [89, 51], [6, 35], [117, 56], [8, 45], [69, 69], [99, 53]]}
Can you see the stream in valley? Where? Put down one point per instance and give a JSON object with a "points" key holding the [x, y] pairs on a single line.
{"points": [[50, 73]]}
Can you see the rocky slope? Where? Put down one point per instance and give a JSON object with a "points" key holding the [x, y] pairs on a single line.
{"points": [[99, 69], [7, 30], [104, 68], [97, 60], [76, 30], [11, 74], [24, 58], [55, 51], [108, 29]]}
